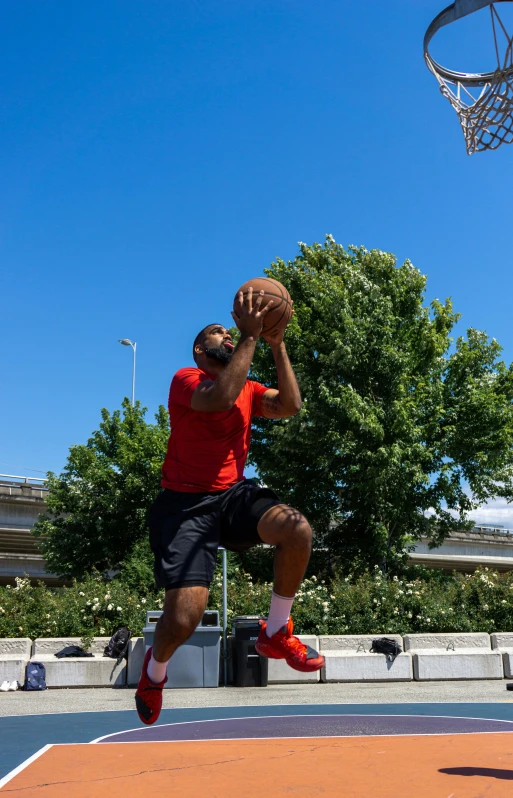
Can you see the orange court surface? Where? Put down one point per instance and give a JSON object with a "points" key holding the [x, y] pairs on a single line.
{"points": [[427, 766]]}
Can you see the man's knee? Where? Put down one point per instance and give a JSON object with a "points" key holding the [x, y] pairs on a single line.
{"points": [[286, 526]]}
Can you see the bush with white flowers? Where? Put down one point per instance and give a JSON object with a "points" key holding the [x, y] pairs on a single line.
{"points": [[370, 603]]}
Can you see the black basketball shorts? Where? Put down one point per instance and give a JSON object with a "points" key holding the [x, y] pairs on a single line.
{"points": [[187, 528]]}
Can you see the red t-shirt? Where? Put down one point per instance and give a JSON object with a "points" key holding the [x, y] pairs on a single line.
{"points": [[207, 451]]}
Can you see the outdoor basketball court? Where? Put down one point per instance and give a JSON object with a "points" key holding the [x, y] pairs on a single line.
{"points": [[430, 750], [436, 750]]}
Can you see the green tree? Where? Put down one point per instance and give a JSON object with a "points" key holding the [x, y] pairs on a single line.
{"points": [[97, 507], [399, 426]]}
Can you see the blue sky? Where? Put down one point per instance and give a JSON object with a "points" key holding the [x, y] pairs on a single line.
{"points": [[155, 155]]}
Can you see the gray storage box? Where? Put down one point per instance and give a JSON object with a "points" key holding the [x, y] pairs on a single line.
{"points": [[196, 663]]}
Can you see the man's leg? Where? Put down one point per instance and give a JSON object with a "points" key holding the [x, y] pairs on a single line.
{"points": [[289, 531], [183, 610]]}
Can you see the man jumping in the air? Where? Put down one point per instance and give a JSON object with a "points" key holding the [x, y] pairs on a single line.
{"points": [[205, 501]]}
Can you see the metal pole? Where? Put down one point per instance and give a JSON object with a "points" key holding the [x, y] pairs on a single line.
{"points": [[133, 378], [225, 620]]}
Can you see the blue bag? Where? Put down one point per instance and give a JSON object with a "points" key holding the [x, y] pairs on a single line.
{"points": [[35, 676]]}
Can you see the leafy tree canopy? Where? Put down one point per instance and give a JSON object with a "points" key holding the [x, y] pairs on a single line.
{"points": [[399, 425], [97, 507]]}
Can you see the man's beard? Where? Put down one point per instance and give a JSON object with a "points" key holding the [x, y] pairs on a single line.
{"points": [[219, 353]]}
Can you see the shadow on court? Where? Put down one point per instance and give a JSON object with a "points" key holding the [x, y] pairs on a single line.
{"points": [[492, 773]]}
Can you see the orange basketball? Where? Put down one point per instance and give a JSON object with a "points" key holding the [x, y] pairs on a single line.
{"points": [[281, 310]]}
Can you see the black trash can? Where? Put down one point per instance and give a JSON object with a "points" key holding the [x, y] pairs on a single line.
{"points": [[249, 668]]}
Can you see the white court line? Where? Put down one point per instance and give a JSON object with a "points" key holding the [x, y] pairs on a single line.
{"points": [[23, 765], [291, 715]]}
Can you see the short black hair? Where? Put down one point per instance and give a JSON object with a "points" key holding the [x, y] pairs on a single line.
{"points": [[201, 335]]}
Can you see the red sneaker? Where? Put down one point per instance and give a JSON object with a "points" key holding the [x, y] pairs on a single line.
{"points": [[148, 698], [283, 645]]}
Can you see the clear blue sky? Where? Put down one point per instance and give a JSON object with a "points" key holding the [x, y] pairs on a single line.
{"points": [[155, 154]]}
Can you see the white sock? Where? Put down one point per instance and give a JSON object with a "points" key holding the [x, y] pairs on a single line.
{"points": [[156, 670], [279, 613]]}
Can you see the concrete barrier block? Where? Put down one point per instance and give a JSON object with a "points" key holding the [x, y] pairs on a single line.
{"points": [[15, 647], [448, 641], [52, 645], [464, 664], [136, 652], [95, 671], [280, 673], [356, 643], [350, 666], [502, 641], [507, 663], [14, 655]]}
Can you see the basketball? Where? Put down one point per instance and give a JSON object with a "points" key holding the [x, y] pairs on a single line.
{"points": [[279, 315]]}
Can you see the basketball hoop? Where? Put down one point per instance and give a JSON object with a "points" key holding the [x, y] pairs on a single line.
{"points": [[483, 101]]}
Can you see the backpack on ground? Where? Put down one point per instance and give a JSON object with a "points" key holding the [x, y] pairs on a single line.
{"points": [[385, 645], [117, 647], [35, 676]]}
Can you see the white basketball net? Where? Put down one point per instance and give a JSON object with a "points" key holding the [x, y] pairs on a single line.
{"points": [[484, 107]]}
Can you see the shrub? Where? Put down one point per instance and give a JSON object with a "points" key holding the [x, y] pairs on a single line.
{"points": [[418, 601]]}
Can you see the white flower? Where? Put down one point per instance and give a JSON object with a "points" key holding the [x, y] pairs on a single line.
{"points": [[375, 601], [395, 610], [332, 597], [428, 620], [314, 579], [409, 592], [485, 607], [109, 607], [20, 628], [96, 600], [47, 616], [88, 603], [102, 630], [325, 604], [137, 606], [81, 593], [118, 609], [419, 617], [504, 601], [143, 601], [107, 596], [300, 600], [95, 607], [410, 615]]}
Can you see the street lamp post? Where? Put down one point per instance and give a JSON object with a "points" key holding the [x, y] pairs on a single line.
{"points": [[128, 342]]}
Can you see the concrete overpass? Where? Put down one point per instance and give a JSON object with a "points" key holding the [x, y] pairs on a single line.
{"points": [[22, 499]]}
